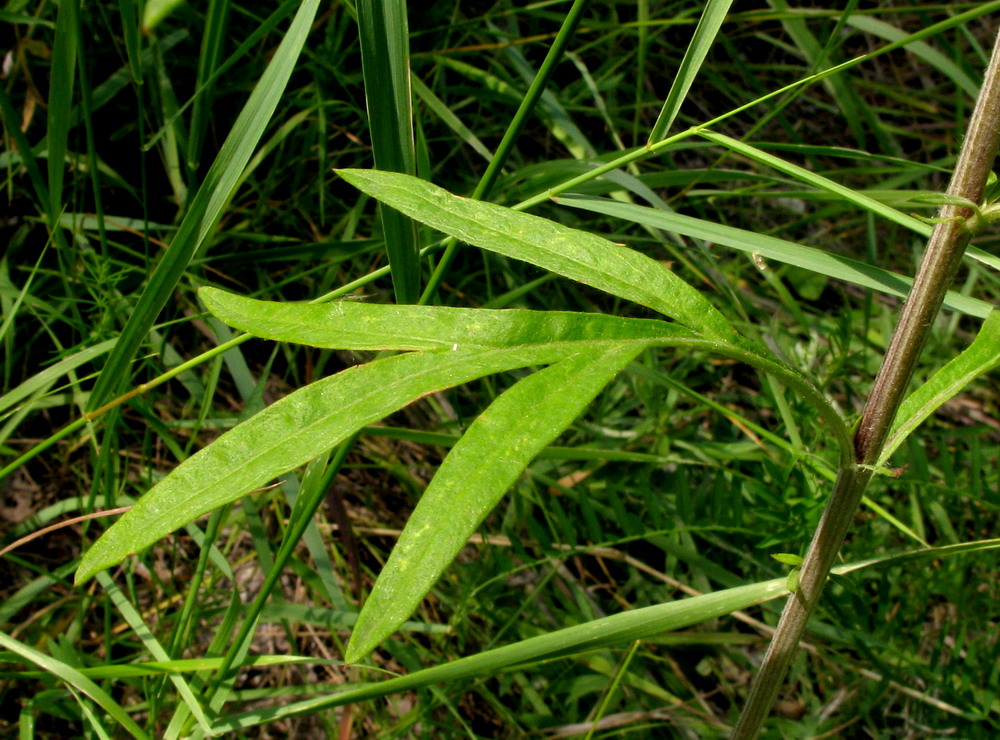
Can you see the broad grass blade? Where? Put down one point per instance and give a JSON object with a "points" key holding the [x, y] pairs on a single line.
{"points": [[385, 61], [981, 357], [569, 252], [704, 35], [368, 326], [473, 478], [294, 430], [772, 248], [207, 205]]}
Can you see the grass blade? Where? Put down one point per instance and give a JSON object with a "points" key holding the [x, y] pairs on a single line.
{"points": [[63, 76], [818, 181], [477, 472], [131, 32], [704, 35], [449, 118], [385, 62], [920, 49], [73, 678], [769, 247], [208, 204], [617, 629], [149, 641], [208, 62], [42, 380]]}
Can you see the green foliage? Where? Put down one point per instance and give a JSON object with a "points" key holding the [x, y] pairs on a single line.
{"points": [[385, 62], [547, 505]]}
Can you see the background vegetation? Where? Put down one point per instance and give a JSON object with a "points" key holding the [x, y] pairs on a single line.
{"points": [[683, 477]]}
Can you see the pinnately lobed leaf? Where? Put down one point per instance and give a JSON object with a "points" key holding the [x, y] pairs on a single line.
{"points": [[478, 471], [460, 344], [296, 429], [572, 253]]}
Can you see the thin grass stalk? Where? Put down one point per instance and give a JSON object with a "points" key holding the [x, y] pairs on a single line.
{"points": [[208, 62], [506, 146], [208, 204], [304, 509], [64, 52], [937, 270], [86, 107], [132, 33]]}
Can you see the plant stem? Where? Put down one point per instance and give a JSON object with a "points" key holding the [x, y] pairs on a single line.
{"points": [[934, 276]]}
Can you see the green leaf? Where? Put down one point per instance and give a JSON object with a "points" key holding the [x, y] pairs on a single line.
{"points": [[294, 430], [359, 326], [63, 76], [568, 252], [207, 205], [156, 11], [473, 477], [351, 325], [792, 580], [617, 629], [787, 558], [982, 356], [704, 35], [772, 248], [149, 641], [385, 63], [818, 181], [74, 678]]}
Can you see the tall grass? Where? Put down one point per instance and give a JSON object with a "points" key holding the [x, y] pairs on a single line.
{"points": [[574, 518]]}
